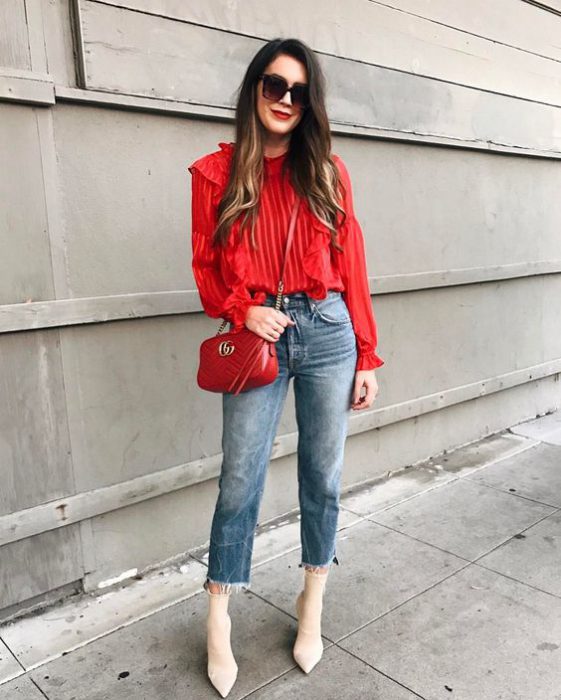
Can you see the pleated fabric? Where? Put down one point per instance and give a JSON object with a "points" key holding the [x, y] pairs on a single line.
{"points": [[231, 278]]}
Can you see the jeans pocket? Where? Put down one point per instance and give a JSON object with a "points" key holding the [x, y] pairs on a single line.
{"points": [[332, 310]]}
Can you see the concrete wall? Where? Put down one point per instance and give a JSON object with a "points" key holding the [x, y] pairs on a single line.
{"points": [[449, 118]]}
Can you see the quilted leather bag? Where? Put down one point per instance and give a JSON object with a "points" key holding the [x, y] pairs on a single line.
{"points": [[240, 360]]}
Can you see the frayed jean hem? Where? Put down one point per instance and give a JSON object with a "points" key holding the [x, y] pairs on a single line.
{"points": [[226, 587], [315, 567]]}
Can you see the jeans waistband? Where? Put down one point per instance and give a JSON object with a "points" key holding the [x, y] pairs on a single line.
{"points": [[300, 298]]}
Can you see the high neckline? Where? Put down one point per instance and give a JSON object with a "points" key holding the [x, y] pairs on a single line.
{"points": [[273, 158], [274, 164]]}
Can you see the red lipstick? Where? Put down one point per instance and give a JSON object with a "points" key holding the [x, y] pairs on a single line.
{"points": [[280, 115]]}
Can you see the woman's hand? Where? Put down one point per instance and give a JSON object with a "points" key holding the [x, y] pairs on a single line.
{"points": [[267, 322], [364, 378]]}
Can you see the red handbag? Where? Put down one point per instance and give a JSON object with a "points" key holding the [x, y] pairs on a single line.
{"points": [[240, 360]]}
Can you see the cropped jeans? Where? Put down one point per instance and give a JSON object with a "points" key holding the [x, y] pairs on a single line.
{"points": [[319, 351]]}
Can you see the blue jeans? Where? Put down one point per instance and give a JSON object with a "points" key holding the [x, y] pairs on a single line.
{"points": [[320, 353]]}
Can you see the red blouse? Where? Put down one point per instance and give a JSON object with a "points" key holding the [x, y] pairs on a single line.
{"points": [[232, 278]]}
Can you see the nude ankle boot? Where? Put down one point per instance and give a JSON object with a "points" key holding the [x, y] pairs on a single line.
{"points": [[222, 668], [308, 648]]}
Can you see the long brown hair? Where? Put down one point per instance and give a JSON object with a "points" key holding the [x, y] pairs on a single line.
{"points": [[313, 173]]}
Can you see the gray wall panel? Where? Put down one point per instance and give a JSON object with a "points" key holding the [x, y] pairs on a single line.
{"points": [[35, 454], [152, 531], [145, 54], [37, 565], [374, 97], [25, 262], [126, 204], [424, 208], [507, 24], [14, 44], [438, 339], [406, 442], [59, 41], [133, 403]]}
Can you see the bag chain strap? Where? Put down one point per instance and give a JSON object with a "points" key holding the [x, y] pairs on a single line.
{"points": [[281, 283]]}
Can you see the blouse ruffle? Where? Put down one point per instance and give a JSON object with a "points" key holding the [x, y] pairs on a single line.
{"points": [[215, 167], [316, 261], [234, 260]]}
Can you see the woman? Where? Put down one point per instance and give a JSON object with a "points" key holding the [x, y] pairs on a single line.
{"points": [[242, 197]]}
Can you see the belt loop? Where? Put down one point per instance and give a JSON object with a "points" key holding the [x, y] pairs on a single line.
{"points": [[310, 303]]}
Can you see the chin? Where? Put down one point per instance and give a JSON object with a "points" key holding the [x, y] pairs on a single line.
{"points": [[280, 132], [280, 129]]}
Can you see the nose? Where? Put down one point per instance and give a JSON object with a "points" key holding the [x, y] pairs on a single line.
{"points": [[287, 98]]}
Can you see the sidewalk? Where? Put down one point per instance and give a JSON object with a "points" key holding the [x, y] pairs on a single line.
{"points": [[449, 586]]}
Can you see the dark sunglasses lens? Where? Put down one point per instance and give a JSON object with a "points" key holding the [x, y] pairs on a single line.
{"points": [[274, 88], [299, 95]]}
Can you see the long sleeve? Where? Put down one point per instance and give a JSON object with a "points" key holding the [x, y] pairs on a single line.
{"points": [[353, 270], [217, 299]]}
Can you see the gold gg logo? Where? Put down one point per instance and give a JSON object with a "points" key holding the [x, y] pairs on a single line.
{"points": [[226, 348]]}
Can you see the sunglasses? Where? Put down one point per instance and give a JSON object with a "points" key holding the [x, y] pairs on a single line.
{"points": [[275, 88]]}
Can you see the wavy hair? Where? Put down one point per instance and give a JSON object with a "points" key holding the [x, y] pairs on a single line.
{"points": [[313, 173]]}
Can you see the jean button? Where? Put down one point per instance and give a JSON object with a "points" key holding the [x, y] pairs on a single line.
{"points": [[286, 300]]}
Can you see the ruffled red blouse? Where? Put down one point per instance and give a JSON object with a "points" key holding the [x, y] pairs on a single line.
{"points": [[231, 278]]}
